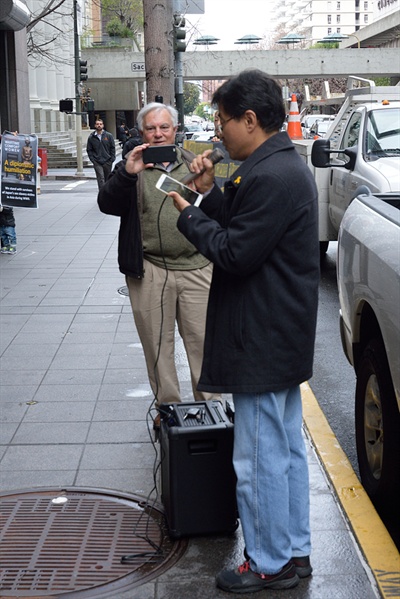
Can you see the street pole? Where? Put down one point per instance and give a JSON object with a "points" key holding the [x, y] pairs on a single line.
{"points": [[78, 122], [179, 90], [179, 102]]}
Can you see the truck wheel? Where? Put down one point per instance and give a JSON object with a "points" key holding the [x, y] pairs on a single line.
{"points": [[377, 422], [323, 248]]}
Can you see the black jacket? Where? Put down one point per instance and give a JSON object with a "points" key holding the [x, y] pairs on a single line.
{"points": [[101, 151], [7, 217], [262, 236]]}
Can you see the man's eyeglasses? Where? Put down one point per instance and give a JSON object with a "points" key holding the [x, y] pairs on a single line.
{"points": [[223, 123]]}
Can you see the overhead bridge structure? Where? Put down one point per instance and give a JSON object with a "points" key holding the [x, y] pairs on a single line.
{"points": [[113, 71]]}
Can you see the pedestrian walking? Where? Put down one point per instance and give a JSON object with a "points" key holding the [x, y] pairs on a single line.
{"points": [[101, 151]]}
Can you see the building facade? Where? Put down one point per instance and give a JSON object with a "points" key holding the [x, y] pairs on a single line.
{"points": [[51, 68], [316, 19]]}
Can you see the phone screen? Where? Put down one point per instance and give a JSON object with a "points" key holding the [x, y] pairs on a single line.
{"points": [[167, 184]]}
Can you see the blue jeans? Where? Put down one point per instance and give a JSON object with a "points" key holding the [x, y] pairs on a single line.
{"points": [[270, 462], [8, 236]]}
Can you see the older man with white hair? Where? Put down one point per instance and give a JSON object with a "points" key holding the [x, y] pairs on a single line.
{"points": [[167, 278]]}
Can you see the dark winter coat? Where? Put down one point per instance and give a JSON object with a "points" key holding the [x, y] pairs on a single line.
{"points": [[7, 217], [101, 151], [262, 236]]}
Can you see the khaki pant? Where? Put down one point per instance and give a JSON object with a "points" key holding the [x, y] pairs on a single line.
{"points": [[185, 297]]}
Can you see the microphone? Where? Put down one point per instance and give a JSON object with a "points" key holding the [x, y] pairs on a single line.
{"points": [[215, 156]]}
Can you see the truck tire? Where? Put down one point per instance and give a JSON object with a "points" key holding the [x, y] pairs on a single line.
{"points": [[377, 423]]}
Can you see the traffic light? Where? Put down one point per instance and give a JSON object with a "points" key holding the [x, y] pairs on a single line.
{"points": [[83, 70], [66, 106], [179, 34]]}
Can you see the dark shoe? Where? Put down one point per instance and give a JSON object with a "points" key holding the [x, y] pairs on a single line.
{"points": [[302, 566], [244, 580]]}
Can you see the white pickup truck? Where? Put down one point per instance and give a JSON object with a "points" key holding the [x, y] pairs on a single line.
{"points": [[368, 274], [361, 147]]}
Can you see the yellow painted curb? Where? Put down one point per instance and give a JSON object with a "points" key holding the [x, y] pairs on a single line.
{"points": [[374, 541]]}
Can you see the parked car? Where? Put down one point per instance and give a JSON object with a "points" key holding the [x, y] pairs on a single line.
{"points": [[320, 128], [368, 274], [308, 123], [360, 148], [191, 128], [203, 136]]}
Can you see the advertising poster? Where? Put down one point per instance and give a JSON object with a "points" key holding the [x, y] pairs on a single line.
{"points": [[18, 185]]}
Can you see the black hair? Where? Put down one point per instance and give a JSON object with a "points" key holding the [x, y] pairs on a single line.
{"points": [[253, 90]]}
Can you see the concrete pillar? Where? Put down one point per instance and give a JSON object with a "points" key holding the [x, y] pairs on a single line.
{"points": [[110, 123]]}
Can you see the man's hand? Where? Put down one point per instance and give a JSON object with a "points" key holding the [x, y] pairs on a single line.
{"points": [[205, 181], [134, 160], [179, 202]]}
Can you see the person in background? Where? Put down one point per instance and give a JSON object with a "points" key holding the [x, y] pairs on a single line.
{"points": [[122, 133], [217, 127], [167, 278], [8, 236], [262, 236], [135, 139], [101, 151], [27, 156], [7, 231]]}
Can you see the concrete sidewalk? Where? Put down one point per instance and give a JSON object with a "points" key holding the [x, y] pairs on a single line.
{"points": [[75, 395]]}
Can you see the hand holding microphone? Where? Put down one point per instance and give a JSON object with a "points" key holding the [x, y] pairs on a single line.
{"points": [[179, 202], [215, 156]]}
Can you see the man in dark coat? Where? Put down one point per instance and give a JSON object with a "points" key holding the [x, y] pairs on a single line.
{"points": [[262, 236], [101, 151]]}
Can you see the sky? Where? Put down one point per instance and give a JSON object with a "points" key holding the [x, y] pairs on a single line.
{"points": [[230, 20]]}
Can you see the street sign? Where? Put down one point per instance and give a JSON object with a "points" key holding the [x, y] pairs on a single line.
{"points": [[137, 66]]}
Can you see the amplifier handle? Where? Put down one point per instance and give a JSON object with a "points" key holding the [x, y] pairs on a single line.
{"points": [[201, 447]]}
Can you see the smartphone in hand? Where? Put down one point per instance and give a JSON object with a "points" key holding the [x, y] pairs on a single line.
{"points": [[167, 184], [159, 154]]}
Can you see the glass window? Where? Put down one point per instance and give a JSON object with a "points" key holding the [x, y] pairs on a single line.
{"points": [[337, 5], [329, 19], [365, 18], [352, 132], [365, 5], [337, 18], [383, 132]]}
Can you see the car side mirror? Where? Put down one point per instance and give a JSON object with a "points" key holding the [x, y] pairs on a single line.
{"points": [[352, 154], [320, 153]]}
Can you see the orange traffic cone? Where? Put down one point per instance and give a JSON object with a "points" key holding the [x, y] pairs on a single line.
{"points": [[294, 127]]}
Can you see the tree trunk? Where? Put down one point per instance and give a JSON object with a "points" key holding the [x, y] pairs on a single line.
{"points": [[158, 49]]}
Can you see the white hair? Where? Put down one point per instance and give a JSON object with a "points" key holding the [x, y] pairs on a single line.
{"points": [[156, 106]]}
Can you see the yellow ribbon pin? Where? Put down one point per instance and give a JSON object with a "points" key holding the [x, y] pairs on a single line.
{"points": [[237, 180]]}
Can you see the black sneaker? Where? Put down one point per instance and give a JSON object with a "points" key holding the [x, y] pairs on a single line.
{"points": [[302, 565], [244, 580]]}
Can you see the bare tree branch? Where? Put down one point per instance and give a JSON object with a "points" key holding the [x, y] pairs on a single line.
{"points": [[51, 7]]}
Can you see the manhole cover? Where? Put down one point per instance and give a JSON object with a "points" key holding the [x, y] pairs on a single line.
{"points": [[123, 291], [80, 543]]}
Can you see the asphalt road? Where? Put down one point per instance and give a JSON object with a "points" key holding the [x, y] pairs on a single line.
{"points": [[334, 380]]}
